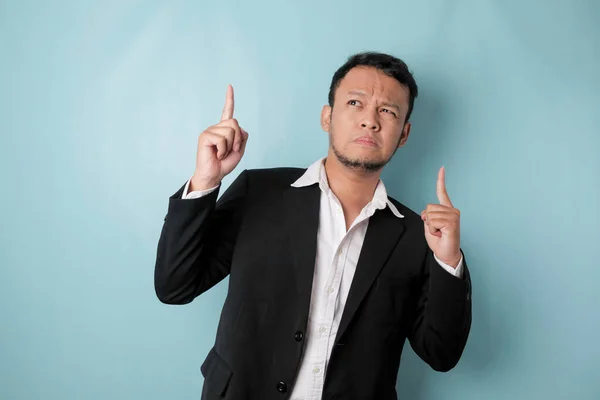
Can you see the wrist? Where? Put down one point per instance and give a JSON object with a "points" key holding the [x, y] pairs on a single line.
{"points": [[451, 261], [197, 184]]}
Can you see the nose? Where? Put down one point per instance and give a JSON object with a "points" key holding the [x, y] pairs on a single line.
{"points": [[370, 121]]}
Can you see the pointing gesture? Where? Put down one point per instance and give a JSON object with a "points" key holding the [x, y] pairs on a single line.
{"points": [[442, 225], [228, 108], [442, 193], [220, 148]]}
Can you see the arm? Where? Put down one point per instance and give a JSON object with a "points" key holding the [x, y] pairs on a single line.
{"points": [[197, 242], [442, 316]]}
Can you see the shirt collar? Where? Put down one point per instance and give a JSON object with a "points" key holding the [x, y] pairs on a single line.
{"points": [[315, 173]]}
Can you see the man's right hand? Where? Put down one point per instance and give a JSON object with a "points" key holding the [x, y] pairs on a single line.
{"points": [[220, 149]]}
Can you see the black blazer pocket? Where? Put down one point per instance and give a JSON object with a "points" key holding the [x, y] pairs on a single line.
{"points": [[216, 372]]}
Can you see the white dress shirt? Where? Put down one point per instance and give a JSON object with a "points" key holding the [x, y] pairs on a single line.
{"points": [[337, 255]]}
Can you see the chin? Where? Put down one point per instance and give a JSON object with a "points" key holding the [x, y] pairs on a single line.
{"points": [[365, 155], [360, 161]]}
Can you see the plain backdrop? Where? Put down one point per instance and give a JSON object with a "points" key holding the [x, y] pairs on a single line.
{"points": [[101, 104]]}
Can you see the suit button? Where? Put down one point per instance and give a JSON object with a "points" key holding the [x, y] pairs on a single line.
{"points": [[298, 336], [282, 387]]}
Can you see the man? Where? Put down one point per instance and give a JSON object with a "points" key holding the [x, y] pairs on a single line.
{"points": [[328, 275]]}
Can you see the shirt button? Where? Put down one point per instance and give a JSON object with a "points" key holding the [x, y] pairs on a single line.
{"points": [[330, 290], [316, 370], [282, 387], [298, 336], [322, 329]]}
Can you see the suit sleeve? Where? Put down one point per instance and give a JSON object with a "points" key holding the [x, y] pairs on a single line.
{"points": [[197, 241], [442, 317]]}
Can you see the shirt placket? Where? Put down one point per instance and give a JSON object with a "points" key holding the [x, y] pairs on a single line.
{"points": [[323, 330], [334, 283]]}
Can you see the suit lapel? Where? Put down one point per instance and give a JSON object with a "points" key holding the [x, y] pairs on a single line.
{"points": [[383, 233], [302, 205]]}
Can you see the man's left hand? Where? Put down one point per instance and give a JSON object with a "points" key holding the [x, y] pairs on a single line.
{"points": [[442, 225]]}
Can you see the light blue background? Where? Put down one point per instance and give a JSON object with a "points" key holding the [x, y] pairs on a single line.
{"points": [[100, 107]]}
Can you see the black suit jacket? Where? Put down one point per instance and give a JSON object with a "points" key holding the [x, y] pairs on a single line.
{"points": [[263, 234]]}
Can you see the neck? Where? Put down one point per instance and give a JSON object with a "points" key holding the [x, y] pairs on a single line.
{"points": [[354, 188]]}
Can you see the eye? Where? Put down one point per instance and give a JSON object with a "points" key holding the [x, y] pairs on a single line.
{"points": [[353, 102], [388, 111]]}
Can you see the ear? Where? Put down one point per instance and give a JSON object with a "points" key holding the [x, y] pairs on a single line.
{"points": [[326, 118], [404, 135]]}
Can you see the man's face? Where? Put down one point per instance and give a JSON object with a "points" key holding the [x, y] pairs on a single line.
{"points": [[366, 124]]}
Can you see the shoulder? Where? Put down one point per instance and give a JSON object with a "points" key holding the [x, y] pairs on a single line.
{"points": [[410, 216], [275, 178]]}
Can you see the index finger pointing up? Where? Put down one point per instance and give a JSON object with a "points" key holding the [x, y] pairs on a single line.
{"points": [[228, 108], [442, 193]]}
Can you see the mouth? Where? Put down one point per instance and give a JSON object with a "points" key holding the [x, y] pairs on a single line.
{"points": [[366, 141]]}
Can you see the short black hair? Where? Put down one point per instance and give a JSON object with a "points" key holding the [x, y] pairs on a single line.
{"points": [[389, 65]]}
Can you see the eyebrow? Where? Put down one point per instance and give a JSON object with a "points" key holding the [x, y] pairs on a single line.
{"points": [[362, 94]]}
